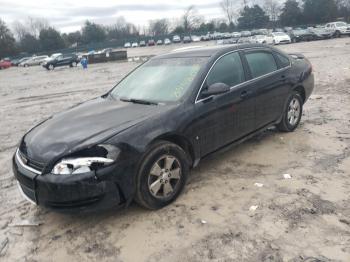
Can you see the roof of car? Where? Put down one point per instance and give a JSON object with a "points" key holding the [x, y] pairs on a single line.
{"points": [[207, 51]]}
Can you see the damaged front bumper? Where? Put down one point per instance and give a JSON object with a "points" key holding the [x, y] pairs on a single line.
{"points": [[80, 192]]}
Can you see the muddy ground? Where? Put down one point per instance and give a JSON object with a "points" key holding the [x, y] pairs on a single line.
{"points": [[305, 218]]}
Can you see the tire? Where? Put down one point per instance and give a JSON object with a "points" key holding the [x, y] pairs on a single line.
{"points": [[337, 34], [74, 64], [25, 65], [164, 166], [51, 67], [293, 113]]}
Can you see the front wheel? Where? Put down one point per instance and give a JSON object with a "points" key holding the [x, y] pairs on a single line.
{"points": [[292, 115], [162, 175]]}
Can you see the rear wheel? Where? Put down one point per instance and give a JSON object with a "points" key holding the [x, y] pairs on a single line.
{"points": [[162, 175], [292, 116], [51, 67]]}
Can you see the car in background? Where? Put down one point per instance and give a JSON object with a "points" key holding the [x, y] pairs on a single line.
{"points": [[339, 28], [301, 35], [5, 63], [262, 39], [281, 38], [129, 144], [142, 43], [246, 34], [36, 60], [22, 60], [321, 33], [167, 41], [244, 40], [160, 42], [176, 39], [205, 37], [134, 44], [195, 38], [127, 45], [151, 42], [236, 35], [287, 29], [70, 60], [263, 31], [187, 39], [226, 41]]}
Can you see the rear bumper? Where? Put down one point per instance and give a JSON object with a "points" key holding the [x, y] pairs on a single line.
{"points": [[82, 192]]}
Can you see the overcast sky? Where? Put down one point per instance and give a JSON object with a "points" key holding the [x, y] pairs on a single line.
{"points": [[68, 16]]}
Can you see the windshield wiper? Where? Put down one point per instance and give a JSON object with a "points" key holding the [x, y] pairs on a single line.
{"points": [[138, 101]]}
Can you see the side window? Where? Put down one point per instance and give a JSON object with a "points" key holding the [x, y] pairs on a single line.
{"points": [[228, 70], [261, 63], [283, 60]]}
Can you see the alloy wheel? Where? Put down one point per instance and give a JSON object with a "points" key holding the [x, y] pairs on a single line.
{"points": [[164, 177], [294, 111]]}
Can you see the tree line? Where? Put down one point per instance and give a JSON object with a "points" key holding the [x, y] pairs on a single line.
{"points": [[36, 35]]}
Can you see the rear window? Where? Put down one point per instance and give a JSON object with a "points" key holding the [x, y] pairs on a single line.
{"points": [[261, 63], [283, 60]]}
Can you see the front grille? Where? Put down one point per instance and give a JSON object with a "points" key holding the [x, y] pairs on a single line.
{"points": [[31, 163]]}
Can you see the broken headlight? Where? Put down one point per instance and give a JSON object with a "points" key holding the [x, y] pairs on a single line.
{"points": [[87, 160]]}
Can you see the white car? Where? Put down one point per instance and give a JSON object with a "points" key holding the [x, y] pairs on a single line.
{"points": [[167, 41], [176, 39], [236, 34], [134, 45], [127, 45], [195, 38], [339, 28], [281, 38], [262, 39]]}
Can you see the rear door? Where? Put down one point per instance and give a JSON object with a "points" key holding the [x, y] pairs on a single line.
{"points": [[270, 82]]}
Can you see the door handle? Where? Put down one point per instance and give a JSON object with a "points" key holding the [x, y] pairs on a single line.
{"points": [[245, 94], [284, 78]]}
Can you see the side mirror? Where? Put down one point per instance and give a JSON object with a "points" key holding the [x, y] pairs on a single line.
{"points": [[216, 89]]}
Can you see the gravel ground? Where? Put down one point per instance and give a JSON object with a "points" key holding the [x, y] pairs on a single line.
{"points": [[305, 218]]}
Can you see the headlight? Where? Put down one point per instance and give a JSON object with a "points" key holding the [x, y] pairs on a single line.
{"points": [[89, 160]]}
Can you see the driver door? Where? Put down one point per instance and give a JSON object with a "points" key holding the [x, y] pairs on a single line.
{"points": [[224, 118]]}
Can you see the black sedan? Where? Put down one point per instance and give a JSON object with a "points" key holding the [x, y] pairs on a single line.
{"points": [[70, 60], [302, 35], [139, 141]]}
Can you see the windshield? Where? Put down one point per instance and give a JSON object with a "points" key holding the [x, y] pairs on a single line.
{"points": [[159, 80]]}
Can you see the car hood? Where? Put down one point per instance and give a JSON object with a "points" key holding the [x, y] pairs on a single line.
{"points": [[83, 125]]}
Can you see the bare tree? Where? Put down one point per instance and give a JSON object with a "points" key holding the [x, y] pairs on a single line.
{"points": [[31, 26], [159, 27], [228, 6], [272, 9], [19, 29], [191, 19], [35, 25]]}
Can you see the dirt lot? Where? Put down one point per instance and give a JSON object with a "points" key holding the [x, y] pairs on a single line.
{"points": [[305, 218]]}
